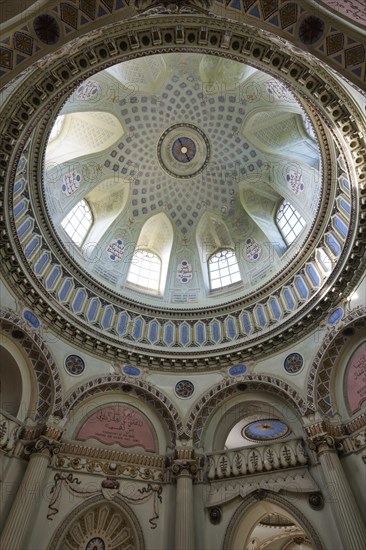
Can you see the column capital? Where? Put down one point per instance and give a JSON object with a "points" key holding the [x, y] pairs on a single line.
{"points": [[322, 443], [323, 437], [184, 463], [42, 446]]}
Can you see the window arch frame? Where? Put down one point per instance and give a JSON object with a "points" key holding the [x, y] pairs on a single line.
{"points": [[152, 289], [220, 269], [68, 223], [293, 228]]}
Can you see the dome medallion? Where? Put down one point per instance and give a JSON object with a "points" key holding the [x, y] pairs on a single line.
{"points": [[183, 150]]}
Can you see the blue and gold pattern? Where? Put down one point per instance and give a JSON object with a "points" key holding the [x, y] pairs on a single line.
{"points": [[265, 430]]}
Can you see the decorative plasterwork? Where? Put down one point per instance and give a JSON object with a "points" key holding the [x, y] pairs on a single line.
{"points": [[9, 433], [138, 388], [319, 395], [337, 44], [128, 523], [49, 390], [212, 399], [251, 500], [298, 74], [110, 489], [110, 462], [297, 480]]}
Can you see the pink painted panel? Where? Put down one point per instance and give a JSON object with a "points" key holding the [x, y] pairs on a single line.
{"points": [[118, 424], [354, 9], [356, 379]]}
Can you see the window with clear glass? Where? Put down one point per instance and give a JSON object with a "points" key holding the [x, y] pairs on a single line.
{"points": [[145, 270], [223, 269], [57, 127], [78, 222], [289, 222]]}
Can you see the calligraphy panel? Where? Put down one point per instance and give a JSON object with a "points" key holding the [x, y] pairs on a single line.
{"points": [[118, 425]]}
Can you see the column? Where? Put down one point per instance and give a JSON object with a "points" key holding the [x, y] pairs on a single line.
{"points": [[184, 525], [347, 514], [28, 496]]}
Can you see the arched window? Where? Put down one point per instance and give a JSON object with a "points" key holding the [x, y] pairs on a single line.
{"points": [[56, 128], [223, 269], [145, 270], [289, 222], [78, 222]]}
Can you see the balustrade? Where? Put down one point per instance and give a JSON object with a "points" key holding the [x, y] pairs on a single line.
{"points": [[254, 460]]}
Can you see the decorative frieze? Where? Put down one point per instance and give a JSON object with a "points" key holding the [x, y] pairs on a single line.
{"points": [[109, 462]]}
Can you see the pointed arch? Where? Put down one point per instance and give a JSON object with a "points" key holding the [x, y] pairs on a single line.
{"points": [[319, 391], [256, 499], [48, 388], [213, 398], [141, 389]]}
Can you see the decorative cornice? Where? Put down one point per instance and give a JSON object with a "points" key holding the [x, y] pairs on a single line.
{"points": [[108, 462]]}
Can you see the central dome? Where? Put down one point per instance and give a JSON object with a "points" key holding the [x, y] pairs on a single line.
{"points": [[247, 160]]}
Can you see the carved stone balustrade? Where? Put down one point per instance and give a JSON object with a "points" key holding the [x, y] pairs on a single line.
{"points": [[254, 460]]}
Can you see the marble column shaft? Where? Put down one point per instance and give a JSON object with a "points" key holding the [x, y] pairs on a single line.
{"points": [[26, 501], [184, 532], [351, 526]]}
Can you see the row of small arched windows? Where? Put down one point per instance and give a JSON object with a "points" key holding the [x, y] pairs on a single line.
{"points": [[145, 267]]}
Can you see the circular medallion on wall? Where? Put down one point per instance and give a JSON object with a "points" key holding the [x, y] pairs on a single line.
{"points": [[46, 28], [74, 365], [96, 543], [184, 389], [311, 29], [293, 363], [265, 430]]}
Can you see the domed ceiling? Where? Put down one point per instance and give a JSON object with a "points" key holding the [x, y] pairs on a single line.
{"points": [[186, 207], [182, 157]]}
